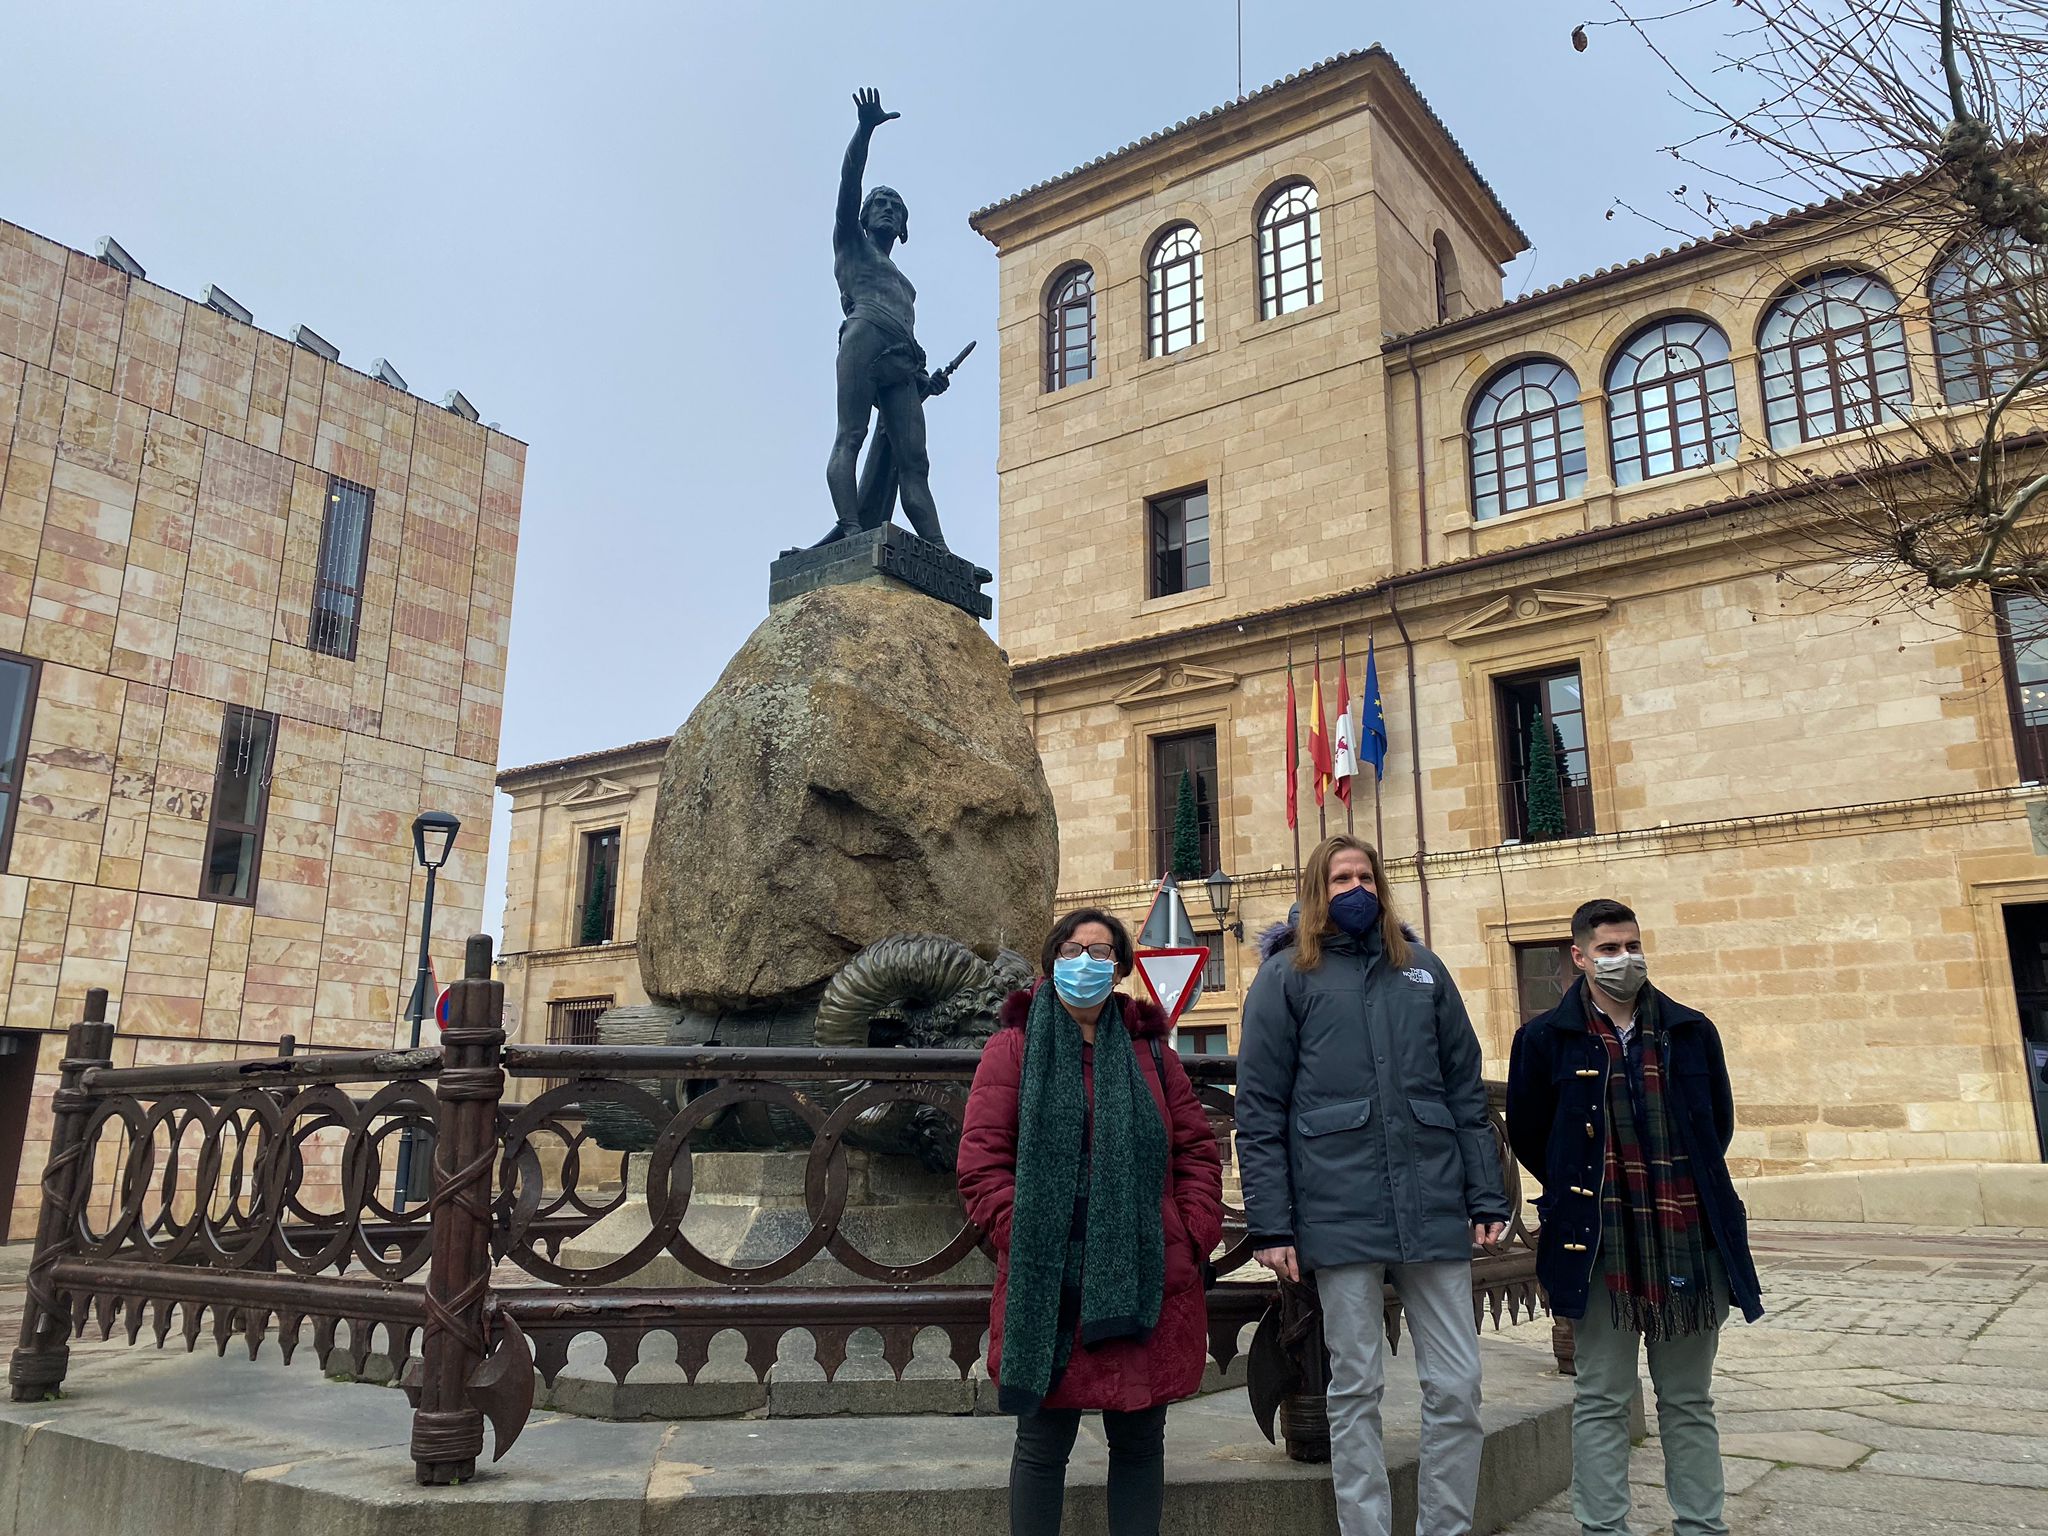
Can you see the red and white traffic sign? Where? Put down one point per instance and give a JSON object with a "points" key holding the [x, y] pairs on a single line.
{"points": [[441, 1007], [1174, 976]]}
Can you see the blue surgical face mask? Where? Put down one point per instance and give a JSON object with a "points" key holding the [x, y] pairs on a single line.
{"points": [[1084, 980], [1356, 911]]}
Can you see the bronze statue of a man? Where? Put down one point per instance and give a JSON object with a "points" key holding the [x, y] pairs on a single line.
{"points": [[881, 366]]}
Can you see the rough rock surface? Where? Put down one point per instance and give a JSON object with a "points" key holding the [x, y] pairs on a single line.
{"points": [[860, 769]]}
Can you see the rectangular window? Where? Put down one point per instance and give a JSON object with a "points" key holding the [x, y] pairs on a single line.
{"points": [[1179, 532], [1202, 1040], [573, 1021], [19, 676], [1543, 974], [599, 899], [1561, 805], [2023, 640], [241, 800], [1215, 975], [338, 583], [1191, 754]]}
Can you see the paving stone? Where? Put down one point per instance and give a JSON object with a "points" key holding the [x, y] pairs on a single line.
{"points": [[1800, 1447], [1962, 1469], [1930, 1501], [1972, 1443]]}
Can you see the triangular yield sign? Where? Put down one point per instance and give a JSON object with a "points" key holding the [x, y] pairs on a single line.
{"points": [[1174, 976], [1166, 924]]}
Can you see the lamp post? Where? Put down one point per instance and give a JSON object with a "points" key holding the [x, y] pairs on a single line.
{"points": [[433, 838], [1219, 885]]}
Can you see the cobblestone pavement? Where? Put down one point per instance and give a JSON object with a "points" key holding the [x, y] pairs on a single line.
{"points": [[1898, 1384]]}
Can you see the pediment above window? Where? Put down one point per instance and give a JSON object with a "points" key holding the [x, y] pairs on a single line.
{"points": [[1175, 682], [1524, 610], [599, 791]]}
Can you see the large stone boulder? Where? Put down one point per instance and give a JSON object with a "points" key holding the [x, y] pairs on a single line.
{"points": [[860, 769]]}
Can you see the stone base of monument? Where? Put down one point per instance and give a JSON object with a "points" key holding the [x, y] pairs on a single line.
{"points": [[190, 1445], [747, 1208]]}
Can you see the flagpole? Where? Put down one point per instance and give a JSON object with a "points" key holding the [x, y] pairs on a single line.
{"points": [[1321, 725], [1293, 766], [1343, 668]]}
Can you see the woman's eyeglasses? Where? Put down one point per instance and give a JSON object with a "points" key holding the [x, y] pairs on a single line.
{"points": [[1072, 951]]}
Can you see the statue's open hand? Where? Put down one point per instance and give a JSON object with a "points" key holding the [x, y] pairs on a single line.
{"points": [[869, 105]]}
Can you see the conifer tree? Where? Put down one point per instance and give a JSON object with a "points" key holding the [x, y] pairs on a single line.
{"points": [[1545, 794], [1187, 832]]}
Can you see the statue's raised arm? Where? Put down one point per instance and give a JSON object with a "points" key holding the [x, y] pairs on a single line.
{"points": [[853, 170]]}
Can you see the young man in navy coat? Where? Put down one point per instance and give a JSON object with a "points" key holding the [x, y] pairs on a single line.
{"points": [[1619, 1102]]}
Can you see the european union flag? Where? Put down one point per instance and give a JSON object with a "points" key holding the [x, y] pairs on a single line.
{"points": [[1372, 744]]}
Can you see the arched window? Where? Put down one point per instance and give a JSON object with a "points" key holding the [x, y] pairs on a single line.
{"points": [[1070, 329], [1671, 401], [1834, 358], [1450, 293], [1173, 299], [1528, 439], [1290, 251], [1990, 304]]}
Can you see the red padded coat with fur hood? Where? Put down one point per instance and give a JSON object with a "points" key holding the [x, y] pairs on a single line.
{"points": [[1126, 1374]]}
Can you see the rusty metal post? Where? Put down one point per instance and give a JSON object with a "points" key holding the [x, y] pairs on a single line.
{"points": [[37, 1369], [447, 1427]]}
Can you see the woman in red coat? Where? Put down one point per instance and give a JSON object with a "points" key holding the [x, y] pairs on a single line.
{"points": [[1089, 1162]]}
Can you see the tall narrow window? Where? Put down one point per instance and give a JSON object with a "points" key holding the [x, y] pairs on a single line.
{"points": [[1179, 536], [1833, 355], [1290, 251], [1543, 974], [19, 676], [1990, 313], [344, 557], [1070, 329], [1173, 294], [599, 902], [241, 800], [1528, 439], [1190, 755], [1671, 401], [2023, 637], [1450, 294], [1546, 774]]}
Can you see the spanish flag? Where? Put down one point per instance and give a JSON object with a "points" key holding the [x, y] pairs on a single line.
{"points": [[1319, 739]]}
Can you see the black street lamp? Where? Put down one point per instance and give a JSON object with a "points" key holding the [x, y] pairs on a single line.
{"points": [[1219, 885], [433, 838]]}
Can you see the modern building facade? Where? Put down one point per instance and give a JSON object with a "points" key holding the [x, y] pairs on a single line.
{"points": [[254, 607]]}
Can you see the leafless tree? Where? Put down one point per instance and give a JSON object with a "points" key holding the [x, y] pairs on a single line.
{"points": [[1922, 124]]}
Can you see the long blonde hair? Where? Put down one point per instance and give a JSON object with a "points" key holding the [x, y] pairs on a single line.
{"points": [[1315, 924]]}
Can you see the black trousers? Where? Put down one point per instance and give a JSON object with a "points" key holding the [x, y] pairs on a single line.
{"points": [[1137, 1470]]}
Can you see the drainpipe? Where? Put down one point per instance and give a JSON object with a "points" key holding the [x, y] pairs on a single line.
{"points": [[1414, 763], [1408, 645]]}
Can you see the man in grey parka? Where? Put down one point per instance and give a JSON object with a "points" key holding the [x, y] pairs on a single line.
{"points": [[1367, 1155]]}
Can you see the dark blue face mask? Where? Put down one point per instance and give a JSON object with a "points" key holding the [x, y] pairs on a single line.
{"points": [[1356, 911]]}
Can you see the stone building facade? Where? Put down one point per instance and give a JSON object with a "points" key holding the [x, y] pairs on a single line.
{"points": [[1262, 399], [580, 829], [253, 614]]}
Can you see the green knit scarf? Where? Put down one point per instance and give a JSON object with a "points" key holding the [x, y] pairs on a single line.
{"points": [[1117, 1274]]}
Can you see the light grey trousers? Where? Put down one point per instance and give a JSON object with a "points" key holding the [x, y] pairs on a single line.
{"points": [[1436, 1301], [1682, 1371]]}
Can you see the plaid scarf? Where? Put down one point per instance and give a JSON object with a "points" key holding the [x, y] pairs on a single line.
{"points": [[1653, 1251]]}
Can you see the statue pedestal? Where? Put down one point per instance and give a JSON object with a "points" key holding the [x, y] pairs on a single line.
{"points": [[877, 554], [747, 1208]]}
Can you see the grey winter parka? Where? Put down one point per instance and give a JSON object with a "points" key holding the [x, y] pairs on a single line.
{"points": [[1362, 1126]]}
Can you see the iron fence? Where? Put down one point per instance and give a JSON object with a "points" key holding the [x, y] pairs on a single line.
{"points": [[247, 1199]]}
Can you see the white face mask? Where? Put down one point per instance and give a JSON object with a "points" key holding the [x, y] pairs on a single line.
{"points": [[1621, 977]]}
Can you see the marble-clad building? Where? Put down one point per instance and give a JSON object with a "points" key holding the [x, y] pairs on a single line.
{"points": [[253, 615]]}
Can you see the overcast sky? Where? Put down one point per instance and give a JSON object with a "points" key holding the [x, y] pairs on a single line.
{"points": [[609, 226]]}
